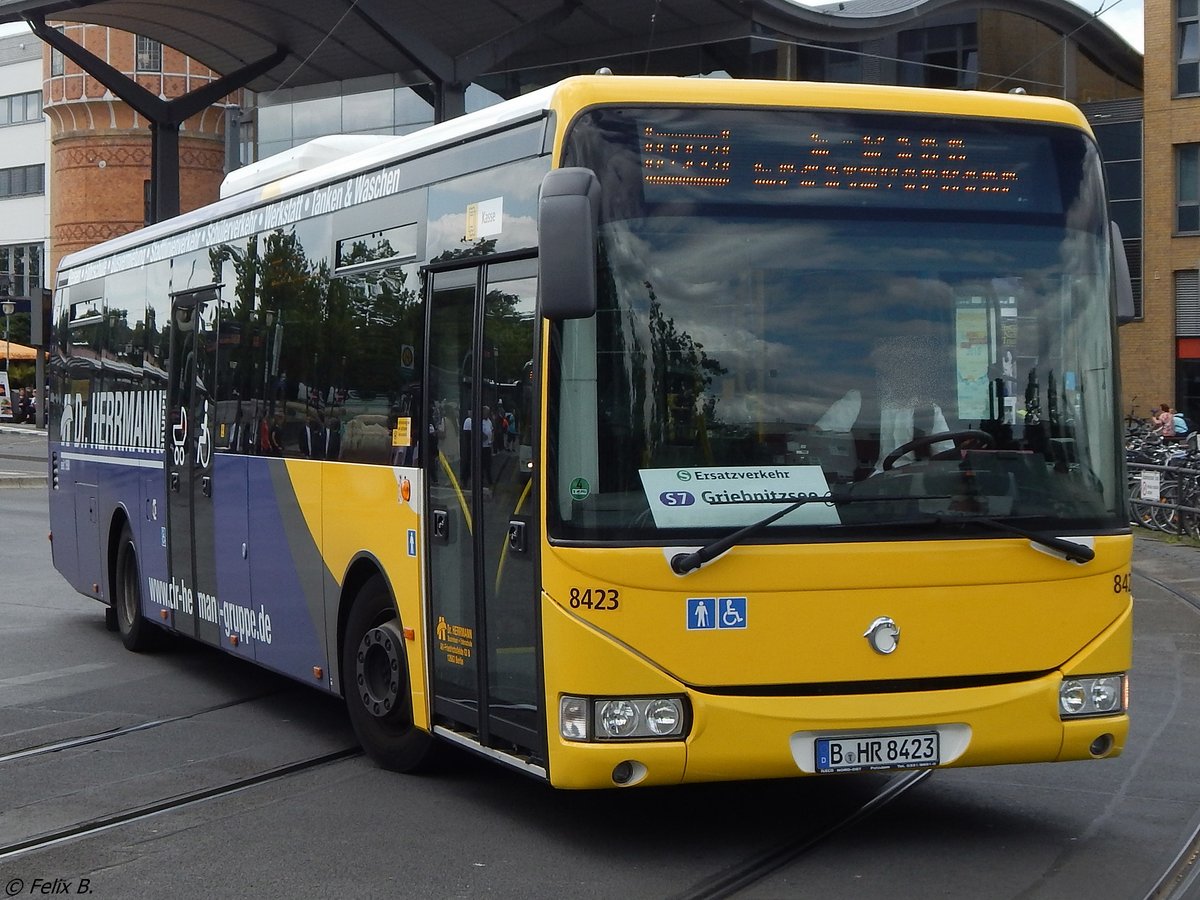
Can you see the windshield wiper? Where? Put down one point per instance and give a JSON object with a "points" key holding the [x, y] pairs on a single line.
{"points": [[682, 563], [1065, 546], [1071, 550]]}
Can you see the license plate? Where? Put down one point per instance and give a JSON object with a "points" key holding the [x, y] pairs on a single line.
{"points": [[877, 751]]}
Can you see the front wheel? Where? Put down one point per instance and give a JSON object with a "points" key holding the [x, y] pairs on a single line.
{"points": [[136, 633], [376, 686]]}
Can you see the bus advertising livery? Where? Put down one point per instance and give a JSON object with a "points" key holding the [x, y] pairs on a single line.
{"points": [[637, 431]]}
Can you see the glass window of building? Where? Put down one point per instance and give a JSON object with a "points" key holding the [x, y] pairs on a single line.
{"points": [[831, 62], [22, 181], [149, 55], [945, 56], [1187, 188], [1187, 36], [17, 109], [400, 110], [367, 113], [57, 60], [411, 110], [21, 265], [273, 126], [314, 118]]}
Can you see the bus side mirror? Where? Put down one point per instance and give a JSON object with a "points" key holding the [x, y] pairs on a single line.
{"points": [[1123, 283], [568, 217]]}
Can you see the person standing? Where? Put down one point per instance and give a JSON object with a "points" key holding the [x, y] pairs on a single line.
{"points": [[1164, 422], [488, 432], [437, 431], [23, 412], [510, 433]]}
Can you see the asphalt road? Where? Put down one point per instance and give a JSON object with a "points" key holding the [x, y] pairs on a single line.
{"points": [[22, 456], [201, 776]]}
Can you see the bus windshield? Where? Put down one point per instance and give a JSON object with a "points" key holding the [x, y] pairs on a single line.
{"points": [[908, 316]]}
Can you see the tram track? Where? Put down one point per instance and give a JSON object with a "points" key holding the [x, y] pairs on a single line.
{"points": [[107, 821], [1183, 874], [1185, 596], [135, 814], [732, 880], [111, 733]]}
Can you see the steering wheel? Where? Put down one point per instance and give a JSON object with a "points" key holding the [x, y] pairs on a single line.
{"points": [[971, 434]]}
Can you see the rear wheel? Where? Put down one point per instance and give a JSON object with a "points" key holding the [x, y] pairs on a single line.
{"points": [[1166, 518], [376, 686], [136, 633], [1139, 513], [1189, 496]]}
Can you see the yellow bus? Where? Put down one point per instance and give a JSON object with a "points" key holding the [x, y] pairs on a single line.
{"points": [[637, 431]]}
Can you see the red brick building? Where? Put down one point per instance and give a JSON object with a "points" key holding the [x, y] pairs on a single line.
{"points": [[100, 148]]}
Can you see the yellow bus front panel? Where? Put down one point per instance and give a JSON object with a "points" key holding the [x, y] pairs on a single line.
{"points": [[980, 662]]}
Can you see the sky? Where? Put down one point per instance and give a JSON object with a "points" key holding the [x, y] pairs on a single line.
{"points": [[1123, 16]]}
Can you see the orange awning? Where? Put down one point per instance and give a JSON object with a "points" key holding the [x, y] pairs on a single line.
{"points": [[13, 350]]}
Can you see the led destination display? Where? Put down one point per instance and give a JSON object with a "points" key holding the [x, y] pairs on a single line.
{"points": [[813, 158]]}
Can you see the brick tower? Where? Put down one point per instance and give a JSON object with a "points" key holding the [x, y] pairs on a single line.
{"points": [[100, 148]]}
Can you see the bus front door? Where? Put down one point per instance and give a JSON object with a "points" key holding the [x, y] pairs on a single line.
{"points": [[481, 504], [189, 599]]}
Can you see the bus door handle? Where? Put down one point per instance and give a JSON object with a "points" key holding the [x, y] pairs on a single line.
{"points": [[206, 485], [518, 540], [441, 526]]}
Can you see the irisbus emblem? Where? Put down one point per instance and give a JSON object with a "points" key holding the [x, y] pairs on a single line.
{"points": [[883, 635]]}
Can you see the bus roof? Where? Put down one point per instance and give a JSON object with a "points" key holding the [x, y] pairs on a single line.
{"points": [[331, 160]]}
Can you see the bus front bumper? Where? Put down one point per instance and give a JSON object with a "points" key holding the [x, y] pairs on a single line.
{"points": [[742, 738]]}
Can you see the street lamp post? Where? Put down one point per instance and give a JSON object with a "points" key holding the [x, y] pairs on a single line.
{"points": [[9, 307]]}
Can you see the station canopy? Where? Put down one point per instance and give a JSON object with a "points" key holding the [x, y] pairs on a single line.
{"points": [[453, 42], [439, 47]]}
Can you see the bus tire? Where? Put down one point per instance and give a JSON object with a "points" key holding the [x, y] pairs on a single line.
{"points": [[136, 634], [376, 686]]}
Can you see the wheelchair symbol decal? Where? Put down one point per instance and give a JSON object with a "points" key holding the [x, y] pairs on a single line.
{"points": [[707, 613]]}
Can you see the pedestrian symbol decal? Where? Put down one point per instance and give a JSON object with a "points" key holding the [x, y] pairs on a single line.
{"points": [[701, 613]]}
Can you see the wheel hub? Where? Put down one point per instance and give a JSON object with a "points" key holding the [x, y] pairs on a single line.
{"points": [[378, 669]]}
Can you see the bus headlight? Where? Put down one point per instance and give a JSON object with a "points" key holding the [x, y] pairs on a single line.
{"points": [[617, 719], [1097, 695], [664, 717], [622, 718]]}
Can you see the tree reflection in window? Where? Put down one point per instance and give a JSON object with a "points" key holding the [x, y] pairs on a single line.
{"points": [[320, 361]]}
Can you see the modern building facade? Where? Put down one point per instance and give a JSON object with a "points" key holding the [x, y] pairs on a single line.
{"points": [[1161, 353], [24, 194]]}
